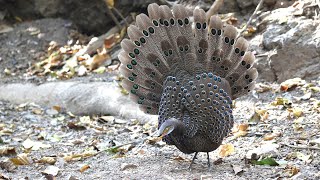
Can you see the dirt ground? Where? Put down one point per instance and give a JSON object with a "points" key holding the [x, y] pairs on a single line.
{"points": [[73, 144]]}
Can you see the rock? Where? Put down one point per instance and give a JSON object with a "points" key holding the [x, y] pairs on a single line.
{"points": [[120, 121], [295, 42], [125, 166], [229, 6], [206, 177], [77, 97], [91, 17], [244, 3], [52, 112], [263, 150]]}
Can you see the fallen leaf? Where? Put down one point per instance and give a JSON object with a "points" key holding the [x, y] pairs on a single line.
{"points": [[226, 150], [271, 136], [297, 112], [282, 101], [291, 170], [179, 158], [303, 157], [21, 159], [315, 89], [79, 156], [47, 160], [260, 88], [243, 126], [57, 108], [73, 125], [34, 145], [84, 167], [7, 151], [291, 83], [266, 161]]}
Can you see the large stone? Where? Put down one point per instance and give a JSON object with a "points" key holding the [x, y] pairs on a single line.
{"points": [[295, 41], [91, 17]]}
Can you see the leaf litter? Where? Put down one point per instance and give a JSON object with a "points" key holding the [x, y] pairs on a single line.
{"points": [[280, 133]]}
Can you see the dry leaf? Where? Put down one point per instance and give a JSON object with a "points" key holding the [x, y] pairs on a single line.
{"points": [[7, 151], [98, 59], [34, 145], [291, 83], [226, 150], [76, 157], [296, 112], [110, 41], [292, 170], [21, 159], [271, 136], [243, 127], [84, 167], [57, 108], [179, 158], [260, 88], [47, 160]]}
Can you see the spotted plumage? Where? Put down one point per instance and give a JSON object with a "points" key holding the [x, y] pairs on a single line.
{"points": [[188, 72]]}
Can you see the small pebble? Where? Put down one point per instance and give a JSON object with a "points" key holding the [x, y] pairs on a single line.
{"points": [[125, 166]]}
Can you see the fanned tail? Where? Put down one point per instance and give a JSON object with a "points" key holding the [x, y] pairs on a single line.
{"points": [[167, 43]]}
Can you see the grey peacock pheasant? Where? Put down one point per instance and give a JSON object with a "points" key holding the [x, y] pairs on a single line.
{"points": [[187, 72]]}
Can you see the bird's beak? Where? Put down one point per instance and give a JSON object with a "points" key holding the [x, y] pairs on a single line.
{"points": [[165, 131]]}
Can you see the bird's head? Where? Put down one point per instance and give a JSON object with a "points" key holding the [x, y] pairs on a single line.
{"points": [[172, 125]]}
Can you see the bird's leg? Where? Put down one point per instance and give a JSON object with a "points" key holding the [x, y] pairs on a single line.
{"points": [[209, 166], [194, 157]]}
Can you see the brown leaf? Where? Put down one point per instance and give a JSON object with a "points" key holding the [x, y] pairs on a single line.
{"points": [[179, 158], [270, 136], [73, 125], [98, 60], [57, 108], [110, 41], [21, 159], [84, 167], [291, 84], [291, 170], [226, 150], [7, 151], [47, 160]]}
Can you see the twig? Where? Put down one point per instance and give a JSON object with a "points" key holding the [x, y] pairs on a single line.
{"points": [[251, 17], [214, 8], [119, 14], [301, 147], [113, 17]]}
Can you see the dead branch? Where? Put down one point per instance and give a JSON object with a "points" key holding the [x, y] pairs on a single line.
{"points": [[214, 8]]}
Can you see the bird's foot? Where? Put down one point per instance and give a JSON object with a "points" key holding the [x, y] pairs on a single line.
{"points": [[209, 165], [194, 157]]}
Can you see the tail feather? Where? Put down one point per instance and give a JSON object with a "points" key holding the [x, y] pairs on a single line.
{"points": [[214, 34], [168, 44]]}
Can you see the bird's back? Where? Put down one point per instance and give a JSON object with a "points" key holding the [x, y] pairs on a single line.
{"points": [[190, 71]]}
